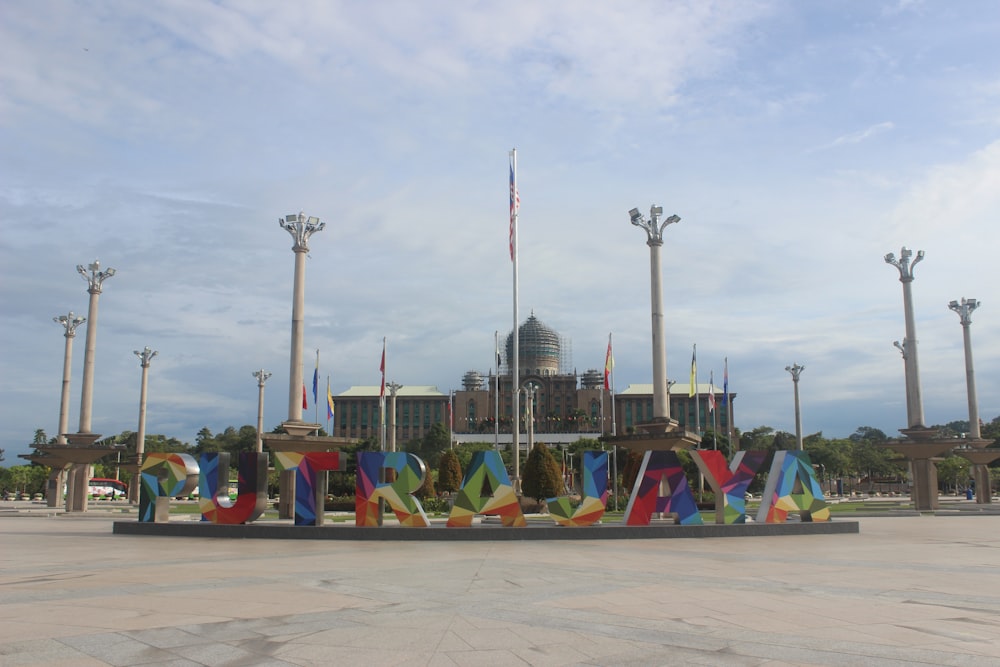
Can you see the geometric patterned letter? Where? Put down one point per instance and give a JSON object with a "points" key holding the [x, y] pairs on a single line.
{"points": [[657, 467], [729, 484], [486, 489], [213, 491], [310, 481], [594, 480], [164, 475], [792, 487], [369, 491]]}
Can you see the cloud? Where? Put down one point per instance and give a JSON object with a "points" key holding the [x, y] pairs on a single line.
{"points": [[859, 136], [170, 146]]}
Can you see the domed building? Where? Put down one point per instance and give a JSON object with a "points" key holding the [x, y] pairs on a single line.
{"points": [[566, 405], [560, 405]]}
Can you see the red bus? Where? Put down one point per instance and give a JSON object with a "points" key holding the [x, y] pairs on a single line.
{"points": [[110, 489]]}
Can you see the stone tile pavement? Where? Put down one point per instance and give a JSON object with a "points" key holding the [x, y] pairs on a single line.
{"points": [[908, 590]]}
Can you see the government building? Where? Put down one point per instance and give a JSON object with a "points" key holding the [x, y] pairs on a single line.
{"points": [[566, 405]]}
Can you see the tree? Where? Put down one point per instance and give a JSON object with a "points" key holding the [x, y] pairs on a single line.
{"points": [[205, 442], [872, 461], [449, 472], [758, 439], [869, 434], [832, 457], [27, 479], [426, 489], [435, 441], [541, 477], [953, 472], [465, 451]]}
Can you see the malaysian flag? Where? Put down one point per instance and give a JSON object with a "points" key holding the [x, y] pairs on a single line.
{"points": [[515, 204]]}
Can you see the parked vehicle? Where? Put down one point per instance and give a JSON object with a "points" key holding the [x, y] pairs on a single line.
{"points": [[110, 489]]}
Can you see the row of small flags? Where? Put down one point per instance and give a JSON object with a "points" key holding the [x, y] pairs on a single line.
{"points": [[329, 396], [609, 364]]}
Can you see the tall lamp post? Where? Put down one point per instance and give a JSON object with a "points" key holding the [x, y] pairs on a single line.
{"points": [[975, 451], [921, 444], [654, 239], [393, 389], [140, 437], [300, 228], [529, 413], [964, 310], [796, 371], [261, 376], [914, 402], [78, 479], [95, 278], [57, 478], [70, 323]]}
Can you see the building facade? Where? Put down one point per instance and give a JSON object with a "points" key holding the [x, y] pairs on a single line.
{"points": [[357, 411], [563, 401]]}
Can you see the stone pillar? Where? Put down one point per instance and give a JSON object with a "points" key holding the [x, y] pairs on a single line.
{"points": [[54, 489], [69, 323], [914, 401], [262, 377], [796, 371], [140, 436], [964, 310], [654, 239], [301, 228], [95, 281], [84, 437]]}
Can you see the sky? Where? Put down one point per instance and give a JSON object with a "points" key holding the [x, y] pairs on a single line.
{"points": [[798, 142]]}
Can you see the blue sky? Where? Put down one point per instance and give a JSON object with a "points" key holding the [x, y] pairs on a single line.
{"points": [[799, 143]]}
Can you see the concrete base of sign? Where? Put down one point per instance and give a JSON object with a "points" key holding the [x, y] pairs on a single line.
{"points": [[480, 532]]}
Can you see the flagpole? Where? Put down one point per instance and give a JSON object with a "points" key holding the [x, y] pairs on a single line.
{"points": [[715, 409], [614, 427], [316, 392], [694, 388], [614, 421], [515, 378], [381, 401], [496, 393], [728, 404]]}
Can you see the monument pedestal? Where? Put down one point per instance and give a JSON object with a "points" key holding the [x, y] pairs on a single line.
{"points": [[77, 456], [659, 435], [920, 447], [980, 457]]}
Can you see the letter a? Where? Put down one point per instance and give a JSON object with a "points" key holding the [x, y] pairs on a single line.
{"points": [[485, 468], [659, 466]]}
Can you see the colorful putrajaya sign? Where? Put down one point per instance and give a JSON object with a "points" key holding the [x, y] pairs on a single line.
{"points": [[661, 487]]}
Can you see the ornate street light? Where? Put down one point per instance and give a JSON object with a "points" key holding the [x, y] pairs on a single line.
{"points": [[145, 356], [796, 371], [261, 376], [654, 239], [914, 402], [95, 281], [964, 310], [300, 227], [70, 323]]}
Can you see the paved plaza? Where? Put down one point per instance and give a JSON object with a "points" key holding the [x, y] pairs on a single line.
{"points": [[907, 590]]}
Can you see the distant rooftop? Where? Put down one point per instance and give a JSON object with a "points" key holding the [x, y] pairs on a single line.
{"points": [[677, 388], [412, 390]]}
